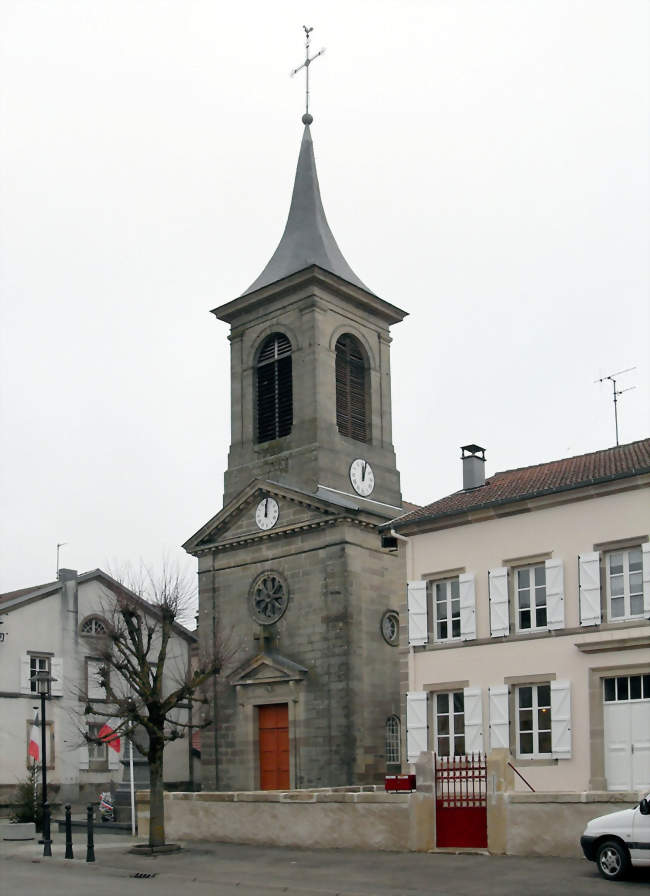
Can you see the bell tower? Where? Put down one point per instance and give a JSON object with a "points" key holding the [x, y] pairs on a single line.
{"points": [[292, 568], [310, 363]]}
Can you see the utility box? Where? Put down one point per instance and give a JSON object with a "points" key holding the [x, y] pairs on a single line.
{"points": [[399, 783]]}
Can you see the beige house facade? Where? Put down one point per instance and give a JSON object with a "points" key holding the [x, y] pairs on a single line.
{"points": [[57, 627], [529, 620]]}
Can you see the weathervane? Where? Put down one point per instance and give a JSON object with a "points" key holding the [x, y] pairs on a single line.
{"points": [[307, 118]]}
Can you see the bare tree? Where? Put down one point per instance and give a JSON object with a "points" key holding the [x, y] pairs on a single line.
{"points": [[148, 685]]}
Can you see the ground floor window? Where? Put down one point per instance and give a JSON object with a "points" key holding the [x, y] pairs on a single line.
{"points": [[97, 752], [534, 721], [449, 728], [38, 664], [392, 740]]}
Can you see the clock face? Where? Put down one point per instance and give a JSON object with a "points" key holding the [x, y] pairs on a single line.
{"points": [[362, 477], [267, 513]]}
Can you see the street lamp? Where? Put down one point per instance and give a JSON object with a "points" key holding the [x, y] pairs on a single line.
{"points": [[43, 681]]}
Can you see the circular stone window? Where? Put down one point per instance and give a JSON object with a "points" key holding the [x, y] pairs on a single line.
{"points": [[390, 627], [268, 598]]}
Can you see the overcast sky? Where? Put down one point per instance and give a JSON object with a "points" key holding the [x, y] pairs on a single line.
{"points": [[483, 165]]}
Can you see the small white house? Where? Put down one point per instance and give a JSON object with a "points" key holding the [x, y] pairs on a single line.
{"points": [[529, 619], [55, 628]]}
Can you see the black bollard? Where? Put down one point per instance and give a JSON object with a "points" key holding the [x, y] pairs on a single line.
{"points": [[90, 849], [68, 834], [47, 842]]}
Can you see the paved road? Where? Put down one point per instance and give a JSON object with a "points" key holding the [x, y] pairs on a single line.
{"points": [[235, 870]]}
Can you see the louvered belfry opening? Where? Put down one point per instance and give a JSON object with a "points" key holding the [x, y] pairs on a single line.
{"points": [[274, 389], [351, 389]]}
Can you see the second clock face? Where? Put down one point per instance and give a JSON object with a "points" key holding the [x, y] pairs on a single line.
{"points": [[267, 513], [362, 477]]}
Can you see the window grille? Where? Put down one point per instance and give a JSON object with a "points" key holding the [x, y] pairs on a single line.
{"points": [[274, 389], [93, 626], [351, 389], [392, 740]]}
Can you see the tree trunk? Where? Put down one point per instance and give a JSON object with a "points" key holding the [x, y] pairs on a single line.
{"points": [[156, 796]]}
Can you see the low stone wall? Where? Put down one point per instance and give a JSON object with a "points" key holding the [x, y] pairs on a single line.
{"points": [[336, 818], [551, 824], [519, 824]]}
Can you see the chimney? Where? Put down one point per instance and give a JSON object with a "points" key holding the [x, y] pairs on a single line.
{"points": [[67, 575], [473, 458]]}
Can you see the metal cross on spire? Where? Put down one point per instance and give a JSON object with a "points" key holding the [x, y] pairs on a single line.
{"points": [[307, 118]]}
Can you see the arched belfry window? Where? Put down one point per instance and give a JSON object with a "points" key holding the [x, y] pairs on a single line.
{"points": [[351, 389], [274, 389]]}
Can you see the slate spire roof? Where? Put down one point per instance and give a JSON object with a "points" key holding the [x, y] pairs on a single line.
{"points": [[307, 239]]}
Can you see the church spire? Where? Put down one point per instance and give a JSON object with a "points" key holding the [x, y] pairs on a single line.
{"points": [[307, 239]]}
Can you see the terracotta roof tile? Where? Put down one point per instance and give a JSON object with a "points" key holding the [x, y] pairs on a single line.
{"points": [[541, 479]]}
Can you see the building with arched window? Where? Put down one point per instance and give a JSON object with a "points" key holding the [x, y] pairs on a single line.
{"points": [[293, 564]]}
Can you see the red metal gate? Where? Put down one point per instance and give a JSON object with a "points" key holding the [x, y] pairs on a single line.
{"points": [[461, 800]]}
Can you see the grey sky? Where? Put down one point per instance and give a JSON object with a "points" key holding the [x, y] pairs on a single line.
{"points": [[482, 165]]}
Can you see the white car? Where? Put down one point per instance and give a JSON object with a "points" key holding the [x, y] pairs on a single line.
{"points": [[619, 840]]}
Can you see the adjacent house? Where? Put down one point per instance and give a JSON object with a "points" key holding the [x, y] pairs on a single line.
{"points": [[57, 628], [529, 619]]}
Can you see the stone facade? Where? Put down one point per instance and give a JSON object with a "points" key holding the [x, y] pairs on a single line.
{"points": [[325, 657]]}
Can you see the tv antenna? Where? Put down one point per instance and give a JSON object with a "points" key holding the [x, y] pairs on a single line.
{"points": [[616, 392]]}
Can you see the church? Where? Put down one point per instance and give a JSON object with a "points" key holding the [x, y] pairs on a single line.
{"points": [[292, 570]]}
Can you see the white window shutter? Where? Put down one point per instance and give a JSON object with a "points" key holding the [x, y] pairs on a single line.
{"points": [[417, 606], [467, 593], [561, 719], [554, 593], [499, 721], [416, 724], [114, 757], [84, 761], [589, 568], [499, 615], [25, 683], [473, 709], [645, 548], [56, 667]]}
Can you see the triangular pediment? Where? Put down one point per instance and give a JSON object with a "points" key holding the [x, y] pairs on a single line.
{"points": [[236, 523], [267, 668]]}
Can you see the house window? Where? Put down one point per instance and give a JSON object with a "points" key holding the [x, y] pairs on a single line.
{"points": [[450, 724], [39, 664], [94, 674], [94, 625], [534, 721], [97, 752], [392, 741], [626, 687], [530, 594], [274, 389], [351, 389], [446, 610], [624, 577]]}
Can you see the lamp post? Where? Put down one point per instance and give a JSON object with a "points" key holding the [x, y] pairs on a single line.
{"points": [[43, 681]]}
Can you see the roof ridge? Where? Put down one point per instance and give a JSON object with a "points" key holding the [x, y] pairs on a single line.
{"points": [[563, 460]]}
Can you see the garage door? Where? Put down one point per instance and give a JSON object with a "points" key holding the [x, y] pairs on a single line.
{"points": [[627, 732]]}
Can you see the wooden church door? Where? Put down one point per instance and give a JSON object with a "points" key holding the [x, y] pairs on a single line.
{"points": [[274, 746]]}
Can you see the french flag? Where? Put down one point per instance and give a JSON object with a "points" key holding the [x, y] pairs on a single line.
{"points": [[34, 749], [108, 735]]}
